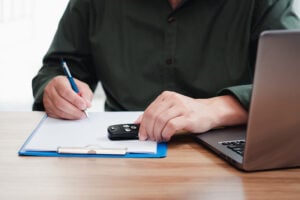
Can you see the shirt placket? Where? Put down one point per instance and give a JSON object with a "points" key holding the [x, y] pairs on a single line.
{"points": [[170, 52], [171, 38]]}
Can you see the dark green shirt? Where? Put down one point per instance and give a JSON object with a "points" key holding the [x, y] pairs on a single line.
{"points": [[139, 48]]}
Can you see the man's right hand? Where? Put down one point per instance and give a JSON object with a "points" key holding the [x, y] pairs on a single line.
{"points": [[60, 101]]}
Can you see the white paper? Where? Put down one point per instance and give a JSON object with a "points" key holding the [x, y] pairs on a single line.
{"points": [[92, 131]]}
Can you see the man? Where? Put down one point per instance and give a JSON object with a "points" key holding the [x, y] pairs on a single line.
{"points": [[189, 64]]}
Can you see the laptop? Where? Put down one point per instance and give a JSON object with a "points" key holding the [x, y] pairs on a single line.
{"points": [[271, 139]]}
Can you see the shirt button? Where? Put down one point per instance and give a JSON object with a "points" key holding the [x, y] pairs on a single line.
{"points": [[171, 19], [169, 61]]}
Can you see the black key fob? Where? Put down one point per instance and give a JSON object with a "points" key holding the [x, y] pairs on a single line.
{"points": [[123, 132]]}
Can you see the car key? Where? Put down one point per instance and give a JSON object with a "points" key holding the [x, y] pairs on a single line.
{"points": [[123, 132]]}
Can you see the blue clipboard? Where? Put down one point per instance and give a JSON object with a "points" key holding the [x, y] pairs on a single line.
{"points": [[161, 153], [91, 153]]}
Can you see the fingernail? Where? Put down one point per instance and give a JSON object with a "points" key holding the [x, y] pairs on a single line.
{"points": [[138, 120], [142, 137], [89, 104], [82, 106]]}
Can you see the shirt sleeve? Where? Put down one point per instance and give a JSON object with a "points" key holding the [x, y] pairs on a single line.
{"points": [[71, 43], [267, 15]]}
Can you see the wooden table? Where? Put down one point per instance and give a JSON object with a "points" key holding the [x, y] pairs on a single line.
{"points": [[188, 172]]}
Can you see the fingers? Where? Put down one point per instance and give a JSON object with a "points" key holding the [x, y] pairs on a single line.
{"points": [[163, 118], [164, 128], [58, 107], [138, 120], [60, 101], [151, 115], [174, 126], [86, 92], [172, 113]]}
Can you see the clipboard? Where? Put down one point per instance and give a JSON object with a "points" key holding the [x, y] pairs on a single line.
{"points": [[99, 120]]}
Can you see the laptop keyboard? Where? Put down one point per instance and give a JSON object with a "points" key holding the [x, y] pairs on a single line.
{"points": [[235, 145]]}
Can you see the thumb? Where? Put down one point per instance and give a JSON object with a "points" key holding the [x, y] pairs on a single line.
{"points": [[85, 92], [139, 119]]}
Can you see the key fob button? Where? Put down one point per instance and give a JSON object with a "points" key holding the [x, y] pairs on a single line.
{"points": [[133, 127], [127, 129]]}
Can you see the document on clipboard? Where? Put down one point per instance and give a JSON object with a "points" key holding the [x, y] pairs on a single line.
{"points": [[88, 138]]}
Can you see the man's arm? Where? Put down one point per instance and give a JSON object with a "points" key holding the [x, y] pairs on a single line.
{"points": [[71, 43], [267, 15], [171, 112]]}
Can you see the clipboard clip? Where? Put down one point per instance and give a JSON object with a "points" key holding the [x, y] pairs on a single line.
{"points": [[91, 150]]}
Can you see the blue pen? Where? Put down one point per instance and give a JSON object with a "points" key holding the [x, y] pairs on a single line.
{"points": [[70, 77], [71, 80]]}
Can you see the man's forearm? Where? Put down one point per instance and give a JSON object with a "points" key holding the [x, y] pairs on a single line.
{"points": [[228, 111]]}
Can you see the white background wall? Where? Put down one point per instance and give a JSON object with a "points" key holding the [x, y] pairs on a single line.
{"points": [[24, 39], [26, 30]]}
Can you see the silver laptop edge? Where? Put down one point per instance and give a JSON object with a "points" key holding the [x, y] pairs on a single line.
{"points": [[273, 132]]}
